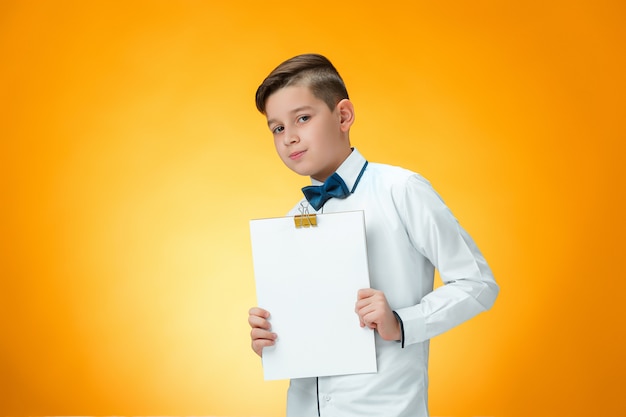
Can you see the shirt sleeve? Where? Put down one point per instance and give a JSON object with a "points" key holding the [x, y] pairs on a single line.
{"points": [[469, 286]]}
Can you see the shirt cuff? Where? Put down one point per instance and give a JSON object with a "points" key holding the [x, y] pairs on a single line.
{"points": [[413, 325], [401, 328]]}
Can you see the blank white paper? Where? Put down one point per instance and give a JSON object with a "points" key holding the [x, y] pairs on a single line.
{"points": [[308, 278]]}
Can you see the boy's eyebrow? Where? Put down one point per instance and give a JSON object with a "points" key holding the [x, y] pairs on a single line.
{"points": [[296, 110]]}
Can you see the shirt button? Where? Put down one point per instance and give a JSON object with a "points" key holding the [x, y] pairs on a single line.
{"points": [[327, 397]]}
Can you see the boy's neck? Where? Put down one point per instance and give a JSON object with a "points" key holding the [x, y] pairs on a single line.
{"points": [[350, 149]]}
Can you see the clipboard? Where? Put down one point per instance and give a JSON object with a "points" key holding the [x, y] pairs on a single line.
{"points": [[308, 269]]}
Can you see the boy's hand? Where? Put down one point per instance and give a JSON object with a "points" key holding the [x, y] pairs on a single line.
{"points": [[260, 334], [375, 313]]}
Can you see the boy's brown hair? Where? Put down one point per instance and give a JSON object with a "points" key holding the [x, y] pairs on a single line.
{"points": [[311, 70]]}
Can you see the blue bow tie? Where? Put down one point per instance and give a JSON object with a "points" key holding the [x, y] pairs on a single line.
{"points": [[334, 186]]}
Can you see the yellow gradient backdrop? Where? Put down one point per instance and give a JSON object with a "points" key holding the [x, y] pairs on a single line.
{"points": [[133, 157]]}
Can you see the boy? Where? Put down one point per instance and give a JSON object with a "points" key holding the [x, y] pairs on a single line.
{"points": [[410, 232]]}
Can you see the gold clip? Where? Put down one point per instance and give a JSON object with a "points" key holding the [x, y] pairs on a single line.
{"points": [[305, 220]]}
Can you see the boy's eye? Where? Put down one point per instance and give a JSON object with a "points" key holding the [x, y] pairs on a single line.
{"points": [[303, 119], [278, 129]]}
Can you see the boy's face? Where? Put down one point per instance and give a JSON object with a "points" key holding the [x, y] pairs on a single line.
{"points": [[309, 138]]}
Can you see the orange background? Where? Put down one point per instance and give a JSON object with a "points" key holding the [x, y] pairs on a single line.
{"points": [[133, 157]]}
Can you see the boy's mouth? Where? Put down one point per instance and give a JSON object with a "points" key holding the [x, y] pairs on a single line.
{"points": [[296, 155]]}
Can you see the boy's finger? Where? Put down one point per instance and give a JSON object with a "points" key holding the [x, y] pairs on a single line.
{"points": [[259, 322], [257, 311], [260, 334], [258, 345], [364, 293]]}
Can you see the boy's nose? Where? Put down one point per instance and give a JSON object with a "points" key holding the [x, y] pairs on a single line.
{"points": [[291, 137]]}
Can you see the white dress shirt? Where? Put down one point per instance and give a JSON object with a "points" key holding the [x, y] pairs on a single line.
{"points": [[410, 232]]}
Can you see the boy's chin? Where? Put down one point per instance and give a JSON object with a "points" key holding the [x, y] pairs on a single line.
{"points": [[299, 170], [302, 173]]}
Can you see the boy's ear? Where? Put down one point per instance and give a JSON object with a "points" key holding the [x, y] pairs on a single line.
{"points": [[346, 114]]}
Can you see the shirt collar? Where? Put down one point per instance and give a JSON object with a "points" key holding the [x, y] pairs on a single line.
{"points": [[349, 169]]}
